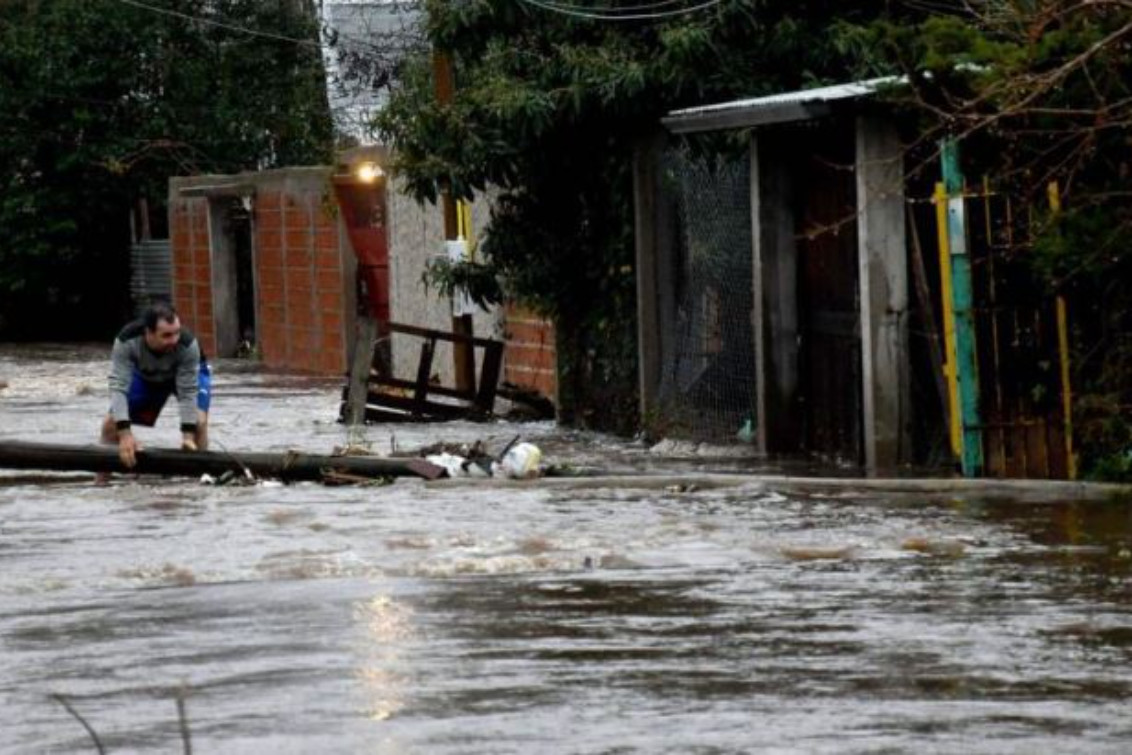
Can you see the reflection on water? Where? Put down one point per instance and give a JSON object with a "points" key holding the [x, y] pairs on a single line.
{"points": [[388, 628], [425, 618]]}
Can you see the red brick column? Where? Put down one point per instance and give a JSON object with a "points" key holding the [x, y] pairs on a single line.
{"points": [[330, 319], [298, 283], [531, 355], [192, 268], [302, 321]]}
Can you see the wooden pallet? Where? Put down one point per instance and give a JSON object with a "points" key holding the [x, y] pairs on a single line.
{"points": [[392, 399]]}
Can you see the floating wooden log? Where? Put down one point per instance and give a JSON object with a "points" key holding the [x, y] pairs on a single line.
{"points": [[290, 466]]}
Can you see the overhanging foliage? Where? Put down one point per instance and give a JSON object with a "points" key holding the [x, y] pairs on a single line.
{"points": [[101, 101]]}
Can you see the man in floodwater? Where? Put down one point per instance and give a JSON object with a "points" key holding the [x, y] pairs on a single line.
{"points": [[153, 358]]}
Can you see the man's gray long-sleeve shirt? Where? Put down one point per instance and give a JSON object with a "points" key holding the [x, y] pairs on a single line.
{"points": [[180, 366]]}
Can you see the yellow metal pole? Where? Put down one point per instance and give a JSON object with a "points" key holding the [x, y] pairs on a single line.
{"points": [[939, 198], [1054, 192]]}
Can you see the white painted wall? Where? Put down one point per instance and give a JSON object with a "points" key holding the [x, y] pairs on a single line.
{"points": [[416, 233]]}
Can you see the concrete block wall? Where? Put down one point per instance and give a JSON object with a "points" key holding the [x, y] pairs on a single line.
{"points": [[192, 268], [416, 235]]}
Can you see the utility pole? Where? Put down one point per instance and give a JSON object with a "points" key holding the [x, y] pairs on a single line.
{"points": [[463, 353], [966, 362]]}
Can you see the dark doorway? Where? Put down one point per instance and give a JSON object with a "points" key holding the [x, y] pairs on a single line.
{"points": [[233, 277], [828, 295]]}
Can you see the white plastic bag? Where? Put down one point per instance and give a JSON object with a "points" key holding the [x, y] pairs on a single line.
{"points": [[519, 463], [452, 464]]}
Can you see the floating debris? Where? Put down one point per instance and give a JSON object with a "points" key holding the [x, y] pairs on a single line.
{"points": [[948, 548], [818, 553]]}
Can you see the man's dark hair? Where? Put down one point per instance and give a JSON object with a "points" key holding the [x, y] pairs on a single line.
{"points": [[158, 312]]}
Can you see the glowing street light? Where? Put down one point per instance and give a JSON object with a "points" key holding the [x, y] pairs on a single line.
{"points": [[368, 172]]}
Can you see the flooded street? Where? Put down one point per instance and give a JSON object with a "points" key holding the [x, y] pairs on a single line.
{"points": [[465, 617]]}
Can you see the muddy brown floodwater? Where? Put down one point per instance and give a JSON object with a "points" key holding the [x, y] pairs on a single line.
{"points": [[471, 618]]}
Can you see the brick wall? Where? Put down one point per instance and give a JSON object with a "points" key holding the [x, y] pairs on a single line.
{"points": [[192, 268], [530, 358], [303, 268], [301, 317]]}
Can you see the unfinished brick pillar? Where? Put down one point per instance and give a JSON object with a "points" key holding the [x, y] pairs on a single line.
{"points": [[192, 267]]}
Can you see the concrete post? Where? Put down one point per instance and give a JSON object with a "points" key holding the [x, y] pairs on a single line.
{"points": [[883, 294]]}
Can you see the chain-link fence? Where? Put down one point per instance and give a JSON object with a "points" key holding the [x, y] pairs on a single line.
{"points": [[707, 388]]}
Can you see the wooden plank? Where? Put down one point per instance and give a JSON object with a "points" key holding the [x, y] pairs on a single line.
{"points": [[995, 442], [1055, 440], [1036, 463], [376, 415], [424, 372], [882, 283], [489, 377], [290, 466], [424, 408], [439, 335], [410, 385]]}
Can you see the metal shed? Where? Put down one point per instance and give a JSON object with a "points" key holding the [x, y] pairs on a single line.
{"points": [[823, 238]]}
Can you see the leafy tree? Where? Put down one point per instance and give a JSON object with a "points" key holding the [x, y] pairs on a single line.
{"points": [[101, 101], [548, 109], [1042, 91]]}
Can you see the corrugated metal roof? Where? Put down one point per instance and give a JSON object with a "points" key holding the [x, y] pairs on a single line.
{"points": [[776, 108]]}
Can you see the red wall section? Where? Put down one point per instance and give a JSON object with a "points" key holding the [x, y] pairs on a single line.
{"points": [[300, 274], [192, 268], [302, 315], [530, 355]]}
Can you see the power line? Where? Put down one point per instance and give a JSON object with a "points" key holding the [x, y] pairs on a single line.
{"points": [[220, 24], [339, 37], [613, 8], [162, 106], [578, 11]]}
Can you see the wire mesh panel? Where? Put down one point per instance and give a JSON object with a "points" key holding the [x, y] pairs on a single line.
{"points": [[707, 388]]}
